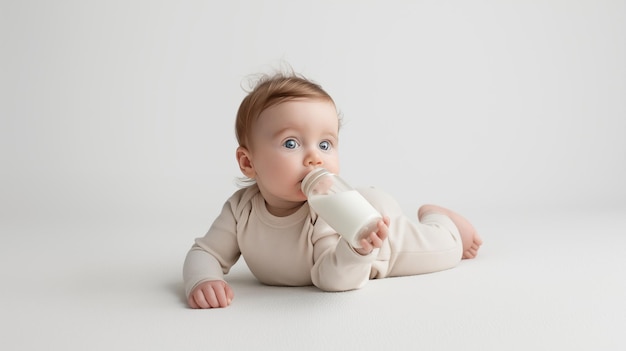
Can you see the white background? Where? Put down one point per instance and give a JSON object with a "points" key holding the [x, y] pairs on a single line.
{"points": [[118, 106], [117, 148]]}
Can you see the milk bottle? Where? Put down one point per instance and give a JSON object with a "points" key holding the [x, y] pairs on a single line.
{"points": [[342, 207]]}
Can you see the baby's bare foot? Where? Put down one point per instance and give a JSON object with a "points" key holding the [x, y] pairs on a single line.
{"points": [[470, 238], [471, 246]]}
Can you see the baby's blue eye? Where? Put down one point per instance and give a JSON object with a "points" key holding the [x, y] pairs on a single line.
{"points": [[325, 145], [290, 144]]}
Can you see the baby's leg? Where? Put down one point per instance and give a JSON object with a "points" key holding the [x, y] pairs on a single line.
{"points": [[469, 236]]}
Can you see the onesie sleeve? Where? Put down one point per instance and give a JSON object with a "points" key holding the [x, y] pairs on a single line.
{"points": [[337, 267], [213, 255]]}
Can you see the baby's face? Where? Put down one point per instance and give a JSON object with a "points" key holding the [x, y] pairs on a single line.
{"points": [[288, 141]]}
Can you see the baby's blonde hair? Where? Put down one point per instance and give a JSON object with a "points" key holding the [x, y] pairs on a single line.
{"points": [[271, 90]]}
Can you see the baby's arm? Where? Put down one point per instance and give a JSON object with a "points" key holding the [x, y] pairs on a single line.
{"points": [[211, 294], [210, 258], [338, 266]]}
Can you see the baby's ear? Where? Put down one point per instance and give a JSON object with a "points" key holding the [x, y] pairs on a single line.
{"points": [[245, 162]]}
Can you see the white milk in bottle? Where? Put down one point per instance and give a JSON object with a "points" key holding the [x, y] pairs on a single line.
{"points": [[342, 207]]}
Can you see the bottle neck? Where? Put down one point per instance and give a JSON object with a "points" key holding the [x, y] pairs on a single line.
{"points": [[313, 177]]}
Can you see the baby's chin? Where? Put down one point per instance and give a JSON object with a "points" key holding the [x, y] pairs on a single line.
{"points": [[301, 197], [299, 193], [295, 197]]}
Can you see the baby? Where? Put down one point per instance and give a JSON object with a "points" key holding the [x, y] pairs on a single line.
{"points": [[287, 126]]}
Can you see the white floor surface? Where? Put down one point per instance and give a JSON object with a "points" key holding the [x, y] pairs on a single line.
{"points": [[540, 283]]}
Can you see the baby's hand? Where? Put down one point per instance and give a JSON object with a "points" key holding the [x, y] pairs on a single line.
{"points": [[211, 294], [375, 239]]}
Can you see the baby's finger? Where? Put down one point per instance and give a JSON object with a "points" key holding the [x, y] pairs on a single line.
{"points": [[365, 244], [383, 229], [377, 241], [192, 302], [386, 220], [209, 295], [230, 295], [199, 300], [220, 295]]}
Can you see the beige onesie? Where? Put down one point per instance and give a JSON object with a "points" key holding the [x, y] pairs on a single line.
{"points": [[301, 249]]}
